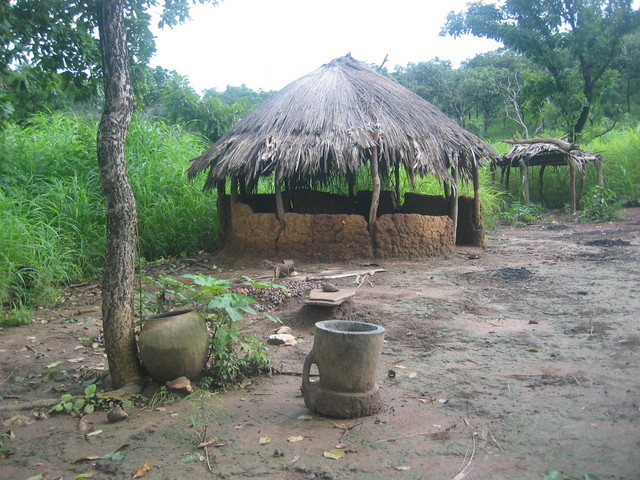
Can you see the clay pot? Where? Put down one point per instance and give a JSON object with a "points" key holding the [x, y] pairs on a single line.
{"points": [[346, 354], [174, 344]]}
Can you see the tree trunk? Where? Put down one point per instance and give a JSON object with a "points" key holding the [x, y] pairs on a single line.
{"points": [[120, 255]]}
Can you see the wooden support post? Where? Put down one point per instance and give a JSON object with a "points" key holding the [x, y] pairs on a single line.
{"points": [[583, 183], [278, 191], [507, 177], [375, 196], [447, 190], [572, 187], [478, 226], [453, 205], [541, 183], [234, 189], [598, 163], [397, 175], [524, 170], [351, 183], [223, 214]]}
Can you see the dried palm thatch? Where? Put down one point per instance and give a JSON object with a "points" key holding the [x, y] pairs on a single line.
{"points": [[327, 122], [547, 153]]}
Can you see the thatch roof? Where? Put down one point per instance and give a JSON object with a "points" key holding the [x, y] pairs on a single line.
{"points": [[548, 153], [325, 124]]}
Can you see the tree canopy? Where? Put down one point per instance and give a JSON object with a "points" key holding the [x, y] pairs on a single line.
{"points": [[574, 41]]}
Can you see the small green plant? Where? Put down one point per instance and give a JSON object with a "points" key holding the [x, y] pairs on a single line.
{"points": [[523, 214], [600, 205], [85, 404], [5, 449], [553, 474], [233, 355]]}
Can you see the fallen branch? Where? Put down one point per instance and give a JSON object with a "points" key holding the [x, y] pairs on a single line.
{"points": [[393, 439]]}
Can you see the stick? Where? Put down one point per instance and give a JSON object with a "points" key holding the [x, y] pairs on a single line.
{"points": [[464, 472], [499, 446], [393, 439]]}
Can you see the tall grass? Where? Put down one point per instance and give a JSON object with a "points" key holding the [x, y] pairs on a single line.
{"points": [[52, 211]]}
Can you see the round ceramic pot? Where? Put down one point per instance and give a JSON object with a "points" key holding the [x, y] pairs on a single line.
{"points": [[174, 344]]}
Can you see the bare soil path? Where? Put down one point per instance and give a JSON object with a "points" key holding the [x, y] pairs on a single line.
{"points": [[508, 360]]}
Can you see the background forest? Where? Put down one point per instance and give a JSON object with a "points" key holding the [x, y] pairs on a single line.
{"points": [[567, 69]]}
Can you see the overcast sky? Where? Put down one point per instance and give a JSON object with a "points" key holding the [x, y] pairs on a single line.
{"points": [[266, 44]]}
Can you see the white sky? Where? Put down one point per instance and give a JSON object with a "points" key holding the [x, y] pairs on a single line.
{"points": [[266, 44]]}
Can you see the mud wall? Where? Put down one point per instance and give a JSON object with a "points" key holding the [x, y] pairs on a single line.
{"points": [[413, 236], [254, 234], [469, 232], [325, 237]]}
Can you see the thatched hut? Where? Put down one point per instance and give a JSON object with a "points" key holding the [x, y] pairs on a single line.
{"points": [[548, 152], [327, 124]]}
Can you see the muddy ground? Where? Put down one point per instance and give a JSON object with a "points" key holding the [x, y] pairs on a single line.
{"points": [[509, 360]]}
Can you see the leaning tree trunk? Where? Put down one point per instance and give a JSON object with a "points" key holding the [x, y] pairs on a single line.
{"points": [[118, 280]]}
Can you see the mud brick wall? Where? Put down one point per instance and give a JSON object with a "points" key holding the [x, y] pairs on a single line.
{"points": [[413, 236], [466, 233], [254, 234], [312, 201], [325, 237]]}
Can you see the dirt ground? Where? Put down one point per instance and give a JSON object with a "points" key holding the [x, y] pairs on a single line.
{"points": [[509, 360]]}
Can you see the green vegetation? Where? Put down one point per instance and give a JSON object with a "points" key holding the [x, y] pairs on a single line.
{"points": [[234, 356], [80, 405], [53, 220], [553, 474]]}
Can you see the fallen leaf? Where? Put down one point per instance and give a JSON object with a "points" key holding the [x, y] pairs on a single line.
{"points": [[75, 360], [336, 454], [443, 400], [143, 470], [83, 475], [533, 350], [305, 417], [53, 365], [342, 446], [402, 367], [91, 458], [403, 469], [208, 443], [264, 440], [39, 476], [94, 433], [413, 375], [79, 347], [295, 438]]}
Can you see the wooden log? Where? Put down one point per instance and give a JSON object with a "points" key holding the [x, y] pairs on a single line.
{"points": [[566, 146], [524, 169]]}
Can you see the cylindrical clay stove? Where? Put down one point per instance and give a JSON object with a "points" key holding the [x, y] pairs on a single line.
{"points": [[346, 354]]}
